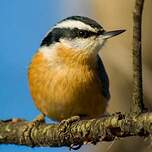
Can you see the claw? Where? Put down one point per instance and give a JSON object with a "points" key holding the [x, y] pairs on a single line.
{"points": [[39, 118], [75, 147], [64, 123], [70, 120]]}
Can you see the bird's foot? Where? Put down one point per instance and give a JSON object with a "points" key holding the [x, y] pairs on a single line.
{"points": [[40, 118], [70, 120], [66, 122], [64, 125]]}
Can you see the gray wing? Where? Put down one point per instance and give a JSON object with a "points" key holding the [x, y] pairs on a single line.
{"points": [[103, 77]]}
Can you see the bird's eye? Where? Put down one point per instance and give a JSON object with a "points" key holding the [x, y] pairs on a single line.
{"points": [[83, 34]]}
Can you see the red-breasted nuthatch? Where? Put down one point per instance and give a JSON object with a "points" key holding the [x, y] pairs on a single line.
{"points": [[66, 76]]}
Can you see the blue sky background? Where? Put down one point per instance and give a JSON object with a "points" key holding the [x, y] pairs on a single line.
{"points": [[22, 26]]}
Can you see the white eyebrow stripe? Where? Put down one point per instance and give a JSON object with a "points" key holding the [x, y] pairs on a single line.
{"points": [[74, 24]]}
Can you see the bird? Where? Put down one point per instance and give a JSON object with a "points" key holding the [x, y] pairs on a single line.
{"points": [[67, 76]]}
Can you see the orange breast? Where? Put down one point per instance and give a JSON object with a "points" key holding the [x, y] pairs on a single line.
{"points": [[65, 86]]}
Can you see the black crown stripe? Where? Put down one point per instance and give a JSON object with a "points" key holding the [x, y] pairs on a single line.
{"points": [[85, 20]]}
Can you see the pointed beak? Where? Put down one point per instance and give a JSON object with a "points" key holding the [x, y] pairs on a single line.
{"points": [[107, 35]]}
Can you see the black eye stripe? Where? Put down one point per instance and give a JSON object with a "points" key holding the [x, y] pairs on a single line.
{"points": [[57, 33], [73, 33], [100, 32], [82, 33]]}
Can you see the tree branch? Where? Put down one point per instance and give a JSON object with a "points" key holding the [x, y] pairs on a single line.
{"points": [[137, 104], [75, 133]]}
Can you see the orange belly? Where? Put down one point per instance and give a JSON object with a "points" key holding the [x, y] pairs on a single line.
{"points": [[61, 91]]}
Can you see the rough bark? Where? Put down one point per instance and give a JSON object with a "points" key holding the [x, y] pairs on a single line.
{"points": [[77, 133]]}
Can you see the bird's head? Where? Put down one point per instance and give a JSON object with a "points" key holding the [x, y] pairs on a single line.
{"points": [[80, 33]]}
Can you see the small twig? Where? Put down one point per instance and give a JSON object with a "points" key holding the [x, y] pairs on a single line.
{"points": [[137, 104]]}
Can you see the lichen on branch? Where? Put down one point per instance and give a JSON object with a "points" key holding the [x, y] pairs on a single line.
{"points": [[75, 133]]}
